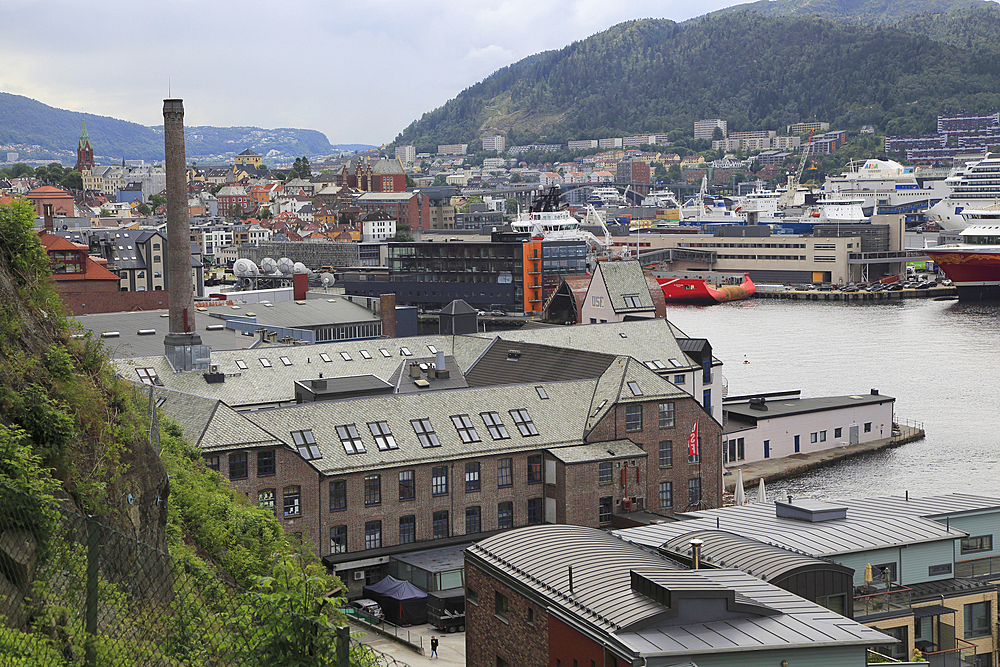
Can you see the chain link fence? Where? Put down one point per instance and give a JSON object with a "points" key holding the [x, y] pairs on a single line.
{"points": [[75, 592]]}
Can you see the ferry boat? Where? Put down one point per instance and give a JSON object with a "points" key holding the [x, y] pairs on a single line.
{"points": [[695, 289], [885, 186], [548, 219], [975, 186], [606, 197], [973, 264], [661, 199]]}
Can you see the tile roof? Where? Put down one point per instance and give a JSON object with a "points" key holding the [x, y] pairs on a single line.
{"points": [[625, 278], [504, 362], [209, 424]]}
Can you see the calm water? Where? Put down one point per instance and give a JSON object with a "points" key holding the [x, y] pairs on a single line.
{"points": [[939, 359]]}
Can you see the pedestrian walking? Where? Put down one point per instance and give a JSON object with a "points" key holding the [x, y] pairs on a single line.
{"points": [[434, 646]]}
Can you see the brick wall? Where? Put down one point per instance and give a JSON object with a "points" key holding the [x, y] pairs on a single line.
{"points": [[520, 640], [113, 301], [686, 410]]}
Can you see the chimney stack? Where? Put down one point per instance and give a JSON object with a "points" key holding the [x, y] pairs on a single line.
{"points": [[49, 225], [182, 345], [696, 553]]}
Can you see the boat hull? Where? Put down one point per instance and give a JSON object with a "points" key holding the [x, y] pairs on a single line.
{"points": [[975, 273], [698, 291]]}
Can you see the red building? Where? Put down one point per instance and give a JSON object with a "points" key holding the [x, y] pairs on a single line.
{"points": [[84, 150], [61, 201]]}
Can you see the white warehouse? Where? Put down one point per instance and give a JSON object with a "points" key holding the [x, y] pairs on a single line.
{"points": [[765, 426]]}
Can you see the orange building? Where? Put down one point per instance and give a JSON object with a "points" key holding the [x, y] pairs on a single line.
{"points": [[61, 200]]}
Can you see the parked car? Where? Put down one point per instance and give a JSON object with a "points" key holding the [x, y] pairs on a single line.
{"points": [[370, 607], [499, 313]]}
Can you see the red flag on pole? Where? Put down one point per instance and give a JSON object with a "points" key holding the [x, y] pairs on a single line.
{"points": [[693, 440]]}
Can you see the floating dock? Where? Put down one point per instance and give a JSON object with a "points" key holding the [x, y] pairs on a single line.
{"points": [[822, 295]]}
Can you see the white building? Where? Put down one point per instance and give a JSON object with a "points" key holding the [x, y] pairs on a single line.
{"points": [[406, 153], [375, 231], [704, 129], [494, 143], [610, 142], [453, 149], [582, 144], [109, 180], [782, 424]]}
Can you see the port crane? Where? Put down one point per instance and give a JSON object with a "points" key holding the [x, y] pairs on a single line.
{"points": [[788, 198]]}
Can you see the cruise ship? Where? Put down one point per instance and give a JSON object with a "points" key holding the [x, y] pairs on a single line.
{"points": [[973, 264], [885, 186], [975, 185]]}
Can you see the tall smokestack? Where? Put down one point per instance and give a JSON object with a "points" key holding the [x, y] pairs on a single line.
{"points": [[182, 345]]}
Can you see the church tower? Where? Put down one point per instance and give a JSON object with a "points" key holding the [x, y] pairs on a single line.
{"points": [[84, 151]]}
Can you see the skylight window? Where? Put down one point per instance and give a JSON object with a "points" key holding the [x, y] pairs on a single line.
{"points": [[266, 363], [425, 432], [306, 444], [466, 429], [433, 349], [674, 363], [542, 394], [286, 361], [148, 376], [524, 424], [350, 439], [365, 354], [325, 357], [384, 352], [493, 424], [632, 301], [383, 436], [405, 351], [633, 386], [240, 364], [345, 356]]}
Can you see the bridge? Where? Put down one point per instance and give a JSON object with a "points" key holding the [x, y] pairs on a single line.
{"points": [[528, 192]]}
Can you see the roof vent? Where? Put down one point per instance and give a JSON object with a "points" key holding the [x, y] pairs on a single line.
{"points": [[513, 355], [758, 403], [814, 511]]}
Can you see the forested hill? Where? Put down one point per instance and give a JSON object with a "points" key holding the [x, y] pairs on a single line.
{"points": [[755, 71], [861, 11], [24, 121]]}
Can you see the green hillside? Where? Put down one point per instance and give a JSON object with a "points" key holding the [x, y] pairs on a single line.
{"points": [[26, 121], [861, 11], [755, 71]]}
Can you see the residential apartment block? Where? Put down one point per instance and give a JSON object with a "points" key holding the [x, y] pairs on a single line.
{"points": [[704, 129]]}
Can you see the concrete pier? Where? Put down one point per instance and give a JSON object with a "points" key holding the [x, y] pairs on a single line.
{"points": [[796, 464], [820, 295]]}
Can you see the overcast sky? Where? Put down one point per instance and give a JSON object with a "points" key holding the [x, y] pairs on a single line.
{"points": [[357, 71]]}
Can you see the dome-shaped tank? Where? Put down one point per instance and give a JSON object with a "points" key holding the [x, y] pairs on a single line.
{"points": [[286, 266], [244, 268], [299, 267], [268, 265]]}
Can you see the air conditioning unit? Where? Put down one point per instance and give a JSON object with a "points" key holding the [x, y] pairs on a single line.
{"points": [[213, 368], [626, 504], [359, 575]]}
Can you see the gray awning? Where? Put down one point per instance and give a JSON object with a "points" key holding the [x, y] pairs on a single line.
{"points": [[931, 610]]}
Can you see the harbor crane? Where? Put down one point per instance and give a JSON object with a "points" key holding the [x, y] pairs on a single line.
{"points": [[788, 198]]}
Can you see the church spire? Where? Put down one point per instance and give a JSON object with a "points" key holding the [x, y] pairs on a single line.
{"points": [[84, 137], [84, 150]]}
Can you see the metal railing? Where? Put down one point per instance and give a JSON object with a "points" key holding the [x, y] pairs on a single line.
{"points": [[895, 598], [76, 592]]}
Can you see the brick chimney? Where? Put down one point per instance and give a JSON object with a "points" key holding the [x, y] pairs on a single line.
{"points": [[49, 225], [387, 305]]}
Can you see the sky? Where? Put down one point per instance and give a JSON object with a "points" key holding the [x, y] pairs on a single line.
{"points": [[359, 72]]}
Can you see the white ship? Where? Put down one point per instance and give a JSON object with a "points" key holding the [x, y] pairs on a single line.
{"points": [[975, 185], [661, 199], [885, 186], [546, 218], [606, 197]]}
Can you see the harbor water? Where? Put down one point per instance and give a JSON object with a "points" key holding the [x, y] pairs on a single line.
{"points": [[940, 360]]}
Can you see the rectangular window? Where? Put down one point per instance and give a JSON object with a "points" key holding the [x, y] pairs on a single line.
{"points": [[971, 544], [265, 462], [240, 364], [266, 363], [604, 472], [325, 357], [212, 462], [977, 620], [633, 387], [466, 430], [838, 432], [441, 524], [868, 427], [373, 490], [524, 424], [306, 444], [439, 481], [535, 469], [425, 432], [265, 499], [505, 472], [473, 520], [338, 495], [505, 514], [293, 501], [678, 379], [813, 437], [535, 511], [407, 529], [350, 439], [633, 417], [495, 427], [407, 485], [939, 570], [471, 477], [383, 436], [822, 436], [667, 414], [500, 607], [338, 539], [373, 534], [694, 491], [238, 465], [666, 494], [604, 509], [666, 456]]}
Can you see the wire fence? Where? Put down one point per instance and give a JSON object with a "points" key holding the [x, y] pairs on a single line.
{"points": [[76, 592]]}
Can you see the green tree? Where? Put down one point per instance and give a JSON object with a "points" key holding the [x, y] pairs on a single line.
{"points": [[402, 232], [156, 201], [718, 134], [410, 183], [674, 172], [440, 179], [512, 206], [142, 208], [235, 210], [72, 180]]}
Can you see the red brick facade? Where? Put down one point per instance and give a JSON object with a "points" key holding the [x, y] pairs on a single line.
{"points": [[523, 636]]}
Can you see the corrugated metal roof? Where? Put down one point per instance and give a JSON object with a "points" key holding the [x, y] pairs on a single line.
{"points": [[540, 557]]}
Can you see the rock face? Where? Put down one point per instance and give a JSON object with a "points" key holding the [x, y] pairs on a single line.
{"points": [[18, 561]]}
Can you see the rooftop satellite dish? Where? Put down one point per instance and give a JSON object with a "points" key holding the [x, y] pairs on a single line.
{"points": [[245, 268], [327, 280], [268, 265], [286, 266], [299, 267]]}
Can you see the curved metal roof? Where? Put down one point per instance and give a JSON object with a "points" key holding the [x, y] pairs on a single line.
{"points": [[765, 561]]}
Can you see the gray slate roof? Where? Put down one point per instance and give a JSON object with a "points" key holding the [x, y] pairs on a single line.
{"points": [[209, 424], [623, 278], [539, 557], [505, 362]]}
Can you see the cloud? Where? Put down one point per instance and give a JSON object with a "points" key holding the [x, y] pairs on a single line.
{"points": [[357, 71]]}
